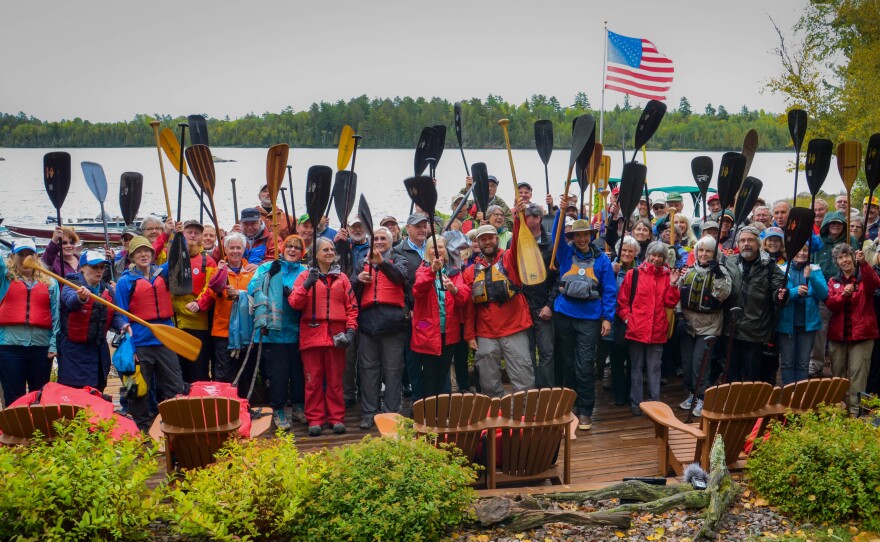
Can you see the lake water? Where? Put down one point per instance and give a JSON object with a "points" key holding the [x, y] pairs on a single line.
{"points": [[380, 178]]}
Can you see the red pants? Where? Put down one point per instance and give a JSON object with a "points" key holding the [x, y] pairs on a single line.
{"points": [[324, 404]]}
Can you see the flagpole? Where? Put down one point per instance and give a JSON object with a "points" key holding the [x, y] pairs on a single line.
{"points": [[604, 69]]}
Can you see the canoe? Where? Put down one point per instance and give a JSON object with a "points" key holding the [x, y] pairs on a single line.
{"points": [[89, 235]]}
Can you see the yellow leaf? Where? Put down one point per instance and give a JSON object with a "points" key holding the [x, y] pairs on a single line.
{"points": [[812, 498], [758, 502], [619, 534], [747, 493], [769, 534], [520, 536]]}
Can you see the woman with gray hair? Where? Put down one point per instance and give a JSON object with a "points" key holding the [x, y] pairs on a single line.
{"points": [[617, 350], [646, 293], [152, 227], [495, 216], [704, 288]]}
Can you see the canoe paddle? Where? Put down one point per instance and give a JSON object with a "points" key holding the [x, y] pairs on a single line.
{"points": [[171, 147], [423, 193], [343, 156], [422, 156], [283, 190], [797, 127], [849, 154], [632, 182], [750, 147], [179, 269], [530, 262], [645, 129], [798, 231], [178, 341], [290, 185], [351, 187], [155, 125], [56, 178], [235, 200], [131, 187], [97, 182], [701, 169], [276, 164], [583, 134], [595, 168], [872, 175], [438, 143], [544, 145], [730, 177], [201, 163], [582, 164], [198, 135], [317, 199], [344, 190], [481, 187], [745, 201], [457, 126], [367, 218], [816, 166]]}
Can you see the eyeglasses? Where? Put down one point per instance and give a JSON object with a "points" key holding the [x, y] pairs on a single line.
{"points": [[68, 243], [293, 246], [381, 238], [153, 228]]}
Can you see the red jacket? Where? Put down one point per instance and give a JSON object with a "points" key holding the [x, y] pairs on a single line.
{"points": [[646, 321], [336, 308], [853, 317], [426, 312]]}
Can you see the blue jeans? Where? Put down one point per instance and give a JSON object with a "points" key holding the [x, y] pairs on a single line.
{"points": [[794, 353], [576, 341], [23, 369]]}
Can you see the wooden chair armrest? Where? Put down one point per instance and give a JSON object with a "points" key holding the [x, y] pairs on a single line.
{"points": [[175, 430], [473, 428], [661, 414], [387, 423]]}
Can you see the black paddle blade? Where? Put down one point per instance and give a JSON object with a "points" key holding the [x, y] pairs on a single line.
{"points": [[131, 187], [179, 270], [198, 129], [56, 176], [632, 185], [318, 182], [201, 164], [583, 162], [701, 169], [423, 193], [344, 189], [481, 186], [797, 127], [730, 177], [544, 139], [438, 143], [746, 199], [365, 215], [798, 230], [583, 131], [872, 162], [818, 162], [423, 150], [648, 123], [456, 109]]}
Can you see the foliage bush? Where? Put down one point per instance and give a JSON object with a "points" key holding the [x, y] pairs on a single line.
{"points": [[821, 466], [257, 490], [81, 486]]}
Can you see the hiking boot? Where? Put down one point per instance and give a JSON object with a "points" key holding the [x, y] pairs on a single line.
{"points": [[367, 423], [299, 415], [584, 422], [280, 419], [698, 409], [686, 404], [315, 430], [338, 428]]}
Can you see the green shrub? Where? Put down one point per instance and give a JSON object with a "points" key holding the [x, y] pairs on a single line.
{"points": [[257, 490], [389, 489], [821, 466], [81, 486]]}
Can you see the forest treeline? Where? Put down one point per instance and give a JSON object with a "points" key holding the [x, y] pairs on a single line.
{"points": [[397, 122]]}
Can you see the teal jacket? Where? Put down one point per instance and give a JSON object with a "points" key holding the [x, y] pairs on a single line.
{"points": [[284, 326], [817, 290]]}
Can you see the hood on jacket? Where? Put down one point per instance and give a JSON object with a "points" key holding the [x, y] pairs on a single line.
{"points": [[832, 217]]}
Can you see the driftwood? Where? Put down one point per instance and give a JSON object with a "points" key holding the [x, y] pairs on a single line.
{"points": [[523, 513]]}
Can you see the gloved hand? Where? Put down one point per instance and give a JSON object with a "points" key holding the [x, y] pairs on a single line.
{"points": [[311, 279], [349, 335], [715, 268], [286, 292], [275, 268]]}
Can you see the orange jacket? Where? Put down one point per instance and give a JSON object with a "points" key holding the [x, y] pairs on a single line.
{"points": [[222, 304]]}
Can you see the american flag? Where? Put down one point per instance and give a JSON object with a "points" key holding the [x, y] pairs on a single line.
{"points": [[634, 66]]}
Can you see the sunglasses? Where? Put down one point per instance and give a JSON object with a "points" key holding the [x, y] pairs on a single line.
{"points": [[68, 243], [298, 247]]}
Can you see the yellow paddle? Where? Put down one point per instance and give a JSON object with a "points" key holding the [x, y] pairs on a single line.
{"points": [[530, 263], [155, 125], [346, 147], [276, 165], [849, 159], [178, 341], [171, 146]]}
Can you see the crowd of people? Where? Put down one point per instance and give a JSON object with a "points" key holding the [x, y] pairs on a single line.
{"points": [[369, 317]]}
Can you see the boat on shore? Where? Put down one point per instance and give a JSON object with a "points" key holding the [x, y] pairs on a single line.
{"points": [[87, 234]]}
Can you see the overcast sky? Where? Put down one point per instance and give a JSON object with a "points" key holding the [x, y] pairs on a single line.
{"points": [[109, 60]]}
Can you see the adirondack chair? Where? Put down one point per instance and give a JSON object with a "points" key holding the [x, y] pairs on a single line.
{"points": [[533, 424], [195, 429], [730, 410], [18, 423], [809, 394]]}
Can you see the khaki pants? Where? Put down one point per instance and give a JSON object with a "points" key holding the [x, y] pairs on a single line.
{"points": [[515, 351], [852, 360]]}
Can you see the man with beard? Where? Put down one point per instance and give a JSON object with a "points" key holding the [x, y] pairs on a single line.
{"points": [[493, 200], [540, 299], [268, 209], [352, 245], [260, 246], [757, 281]]}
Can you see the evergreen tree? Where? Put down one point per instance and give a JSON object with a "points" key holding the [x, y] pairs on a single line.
{"points": [[684, 107]]}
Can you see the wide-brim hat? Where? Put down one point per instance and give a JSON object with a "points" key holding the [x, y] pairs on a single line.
{"points": [[582, 224]]}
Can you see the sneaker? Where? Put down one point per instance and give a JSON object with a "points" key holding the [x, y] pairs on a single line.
{"points": [[280, 420], [686, 404], [338, 428], [367, 423], [636, 411], [698, 409], [314, 430], [584, 422], [299, 415]]}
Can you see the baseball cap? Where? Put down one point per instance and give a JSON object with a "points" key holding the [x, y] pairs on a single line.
{"points": [[302, 219], [251, 214], [773, 231], [727, 214], [388, 219], [355, 219], [193, 224], [527, 185], [416, 218], [714, 197], [131, 230], [658, 203], [485, 230], [673, 197], [615, 191], [708, 225], [92, 257], [492, 179], [24, 244]]}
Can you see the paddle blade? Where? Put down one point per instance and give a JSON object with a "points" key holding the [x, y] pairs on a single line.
{"points": [[131, 187], [456, 109], [95, 179], [797, 127], [201, 163], [596, 161], [198, 129], [171, 147], [178, 341], [818, 162], [730, 177], [480, 174], [583, 130], [438, 143], [529, 261], [179, 270], [344, 189], [649, 122], [750, 147], [346, 147], [276, 167], [746, 199], [318, 182], [422, 192], [872, 162], [798, 230], [702, 168], [849, 154], [365, 215], [423, 150], [56, 176], [544, 139], [632, 185]]}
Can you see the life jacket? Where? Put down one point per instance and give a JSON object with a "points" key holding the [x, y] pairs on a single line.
{"points": [[151, 301], [91, 323], [25, 306], [696, 292], [199, 275], [491, 284], [381, 292], [580, 281]]}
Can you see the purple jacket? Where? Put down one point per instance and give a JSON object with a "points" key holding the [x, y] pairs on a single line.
{"points": [[54, 260]]}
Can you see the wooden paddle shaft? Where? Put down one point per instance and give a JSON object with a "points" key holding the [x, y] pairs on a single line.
{"points": [[561, 220], [504, 123], [155, 125]]}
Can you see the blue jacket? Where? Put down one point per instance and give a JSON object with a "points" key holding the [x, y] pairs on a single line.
{"points": [[139, 334], [817, 290], [274, 292]]}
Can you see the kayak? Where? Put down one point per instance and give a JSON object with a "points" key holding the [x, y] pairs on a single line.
{"points": [[90, 235]]}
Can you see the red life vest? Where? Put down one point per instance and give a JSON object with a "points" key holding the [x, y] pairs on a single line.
{"points": [[91, 323], [382, 291], [151, 301], [25, 306]]}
